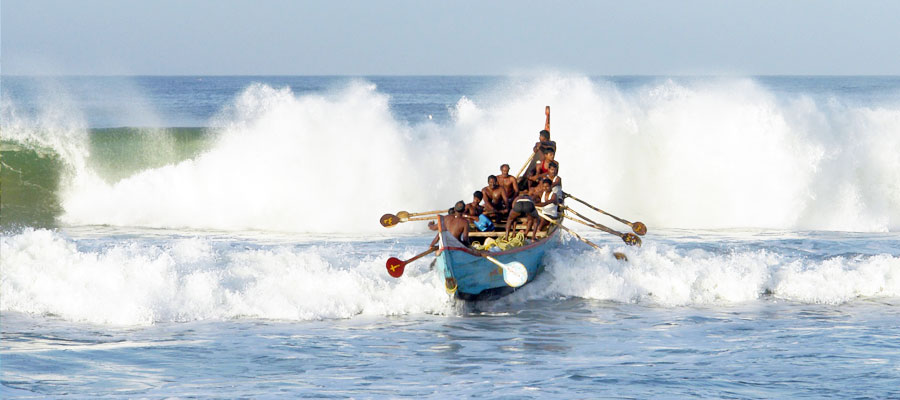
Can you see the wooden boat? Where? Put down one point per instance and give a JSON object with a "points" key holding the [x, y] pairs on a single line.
{"points": [[470, 275]]}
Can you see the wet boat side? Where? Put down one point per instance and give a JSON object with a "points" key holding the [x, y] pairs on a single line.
{"points": [[475, 277]]}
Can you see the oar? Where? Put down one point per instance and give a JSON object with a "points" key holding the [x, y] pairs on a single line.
{"points": [[629, 238], [619, 256], [527, 163], [637, 227], [395, 266], [405, 215], [389, 220], [546, 128], [555, 222], [514, 274]]}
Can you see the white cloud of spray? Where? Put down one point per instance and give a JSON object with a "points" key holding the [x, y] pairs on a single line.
{"points": [[712, 154]]}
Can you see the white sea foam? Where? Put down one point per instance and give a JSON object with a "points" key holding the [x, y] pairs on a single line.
{"points": [[58, 127], [662, 275], [707, 154], [134, 282]]}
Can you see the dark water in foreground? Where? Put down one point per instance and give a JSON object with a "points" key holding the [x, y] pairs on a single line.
{"points": [[558, 348]]}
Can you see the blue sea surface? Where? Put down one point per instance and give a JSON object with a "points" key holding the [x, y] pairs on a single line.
{"points": [[562, 348]]}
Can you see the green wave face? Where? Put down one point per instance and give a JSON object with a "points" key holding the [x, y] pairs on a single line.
{"points": [[31, 176], [29, 183], [117, 153]]}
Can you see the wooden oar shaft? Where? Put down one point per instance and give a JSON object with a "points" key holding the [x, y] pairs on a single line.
{"points": [[588, 224], [594, 224], [568, 195], [552, 221], [527, 163], [629, 238], [422, 218], [546, 128], [495, 261], [420, 255], [426, 213]]}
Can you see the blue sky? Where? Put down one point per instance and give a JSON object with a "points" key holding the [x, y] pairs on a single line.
{"points": [[205, 37]]}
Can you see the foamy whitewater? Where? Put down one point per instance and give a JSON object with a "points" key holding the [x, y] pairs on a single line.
{"points": [[229, 246]]}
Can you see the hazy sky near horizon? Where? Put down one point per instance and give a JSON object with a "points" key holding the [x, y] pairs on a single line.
{"points": [[269, 37]]}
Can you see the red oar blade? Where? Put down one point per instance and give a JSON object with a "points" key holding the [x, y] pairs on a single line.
{"points": [[395, 267]]}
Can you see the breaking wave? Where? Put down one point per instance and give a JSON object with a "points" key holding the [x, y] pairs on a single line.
{"points": [[705, 154], [139, 282]]}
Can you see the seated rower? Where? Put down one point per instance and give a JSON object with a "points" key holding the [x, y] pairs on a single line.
{"points": [[508, 183], [456, 224], [522, 205], [556, 182], [548, 204], [475, 208], [475, 213], [495, 199]]}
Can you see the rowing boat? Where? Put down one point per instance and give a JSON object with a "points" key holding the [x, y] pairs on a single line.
{"points": [[469, 274], [475, 274]]}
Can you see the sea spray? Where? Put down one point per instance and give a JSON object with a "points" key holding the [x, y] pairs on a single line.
{"points": [[701, 153], [139, 282], [146, 280]]}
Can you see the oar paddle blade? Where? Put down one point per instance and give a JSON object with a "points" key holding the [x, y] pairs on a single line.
{"points": [[389, 220], [639, 228], [631, 239], [395, 267], [515, 274]]}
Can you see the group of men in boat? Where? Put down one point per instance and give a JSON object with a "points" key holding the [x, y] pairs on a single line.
{"points": [[506, 197]]}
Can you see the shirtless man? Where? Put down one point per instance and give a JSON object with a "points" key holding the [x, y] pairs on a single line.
{"points": [[474, 208], [456, 224], [495, 200], [522, 205], [508, 183]]}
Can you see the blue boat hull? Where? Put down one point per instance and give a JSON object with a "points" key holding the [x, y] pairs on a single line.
{"points": [[475, 277]]}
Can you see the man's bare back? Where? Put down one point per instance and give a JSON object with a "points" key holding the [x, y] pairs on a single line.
{"points": [[458, 226], [455, 223]]}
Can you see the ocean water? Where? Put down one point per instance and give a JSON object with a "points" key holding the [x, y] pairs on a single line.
{"points": [[171, 237]]}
